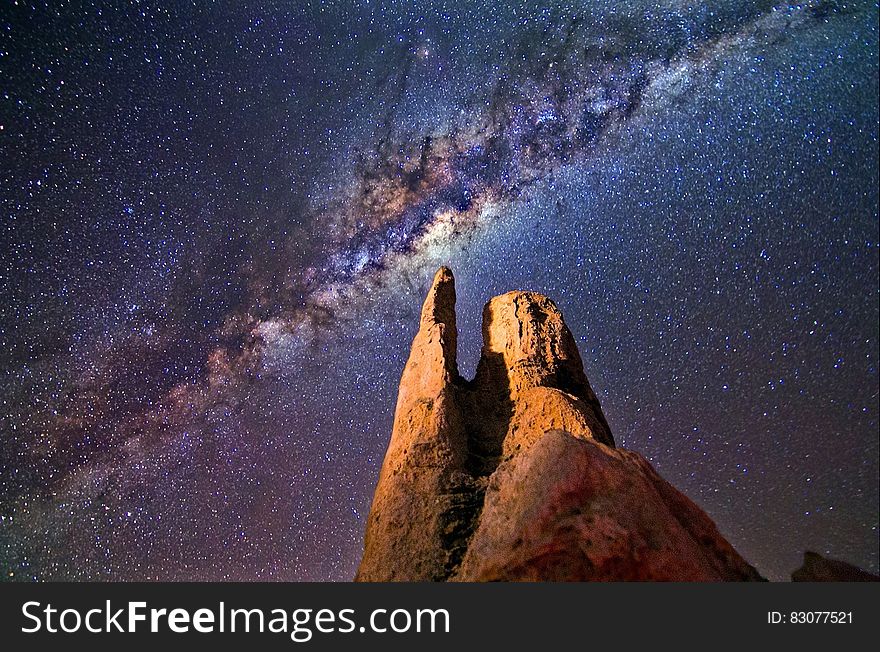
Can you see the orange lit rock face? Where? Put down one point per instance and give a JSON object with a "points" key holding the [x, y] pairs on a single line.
{"points": [[423, 483], [572, 509], [514, 475]]}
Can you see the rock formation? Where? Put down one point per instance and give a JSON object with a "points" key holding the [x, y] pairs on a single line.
{"points": [[514, 475], [817, 568]]}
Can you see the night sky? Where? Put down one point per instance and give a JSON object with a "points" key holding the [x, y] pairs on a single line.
{"points": [[219, 221]]}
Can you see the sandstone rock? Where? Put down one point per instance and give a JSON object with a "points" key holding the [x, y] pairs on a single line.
{"points": [[422, 485], [514, 475], [571, 508], [526, 344], [817, 568]]}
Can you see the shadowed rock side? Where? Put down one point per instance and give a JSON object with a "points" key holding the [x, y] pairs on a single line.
{"points": [[817, 568], [514, 475]]}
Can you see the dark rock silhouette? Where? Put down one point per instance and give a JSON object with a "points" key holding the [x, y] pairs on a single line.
{"points": [[817, 568], [515, 475]]}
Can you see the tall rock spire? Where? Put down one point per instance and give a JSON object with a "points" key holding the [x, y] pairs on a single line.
{"points": [[412, 523], [514, 475]]}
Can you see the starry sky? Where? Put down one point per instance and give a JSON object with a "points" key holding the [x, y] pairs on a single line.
{"points": [[219, 221]]}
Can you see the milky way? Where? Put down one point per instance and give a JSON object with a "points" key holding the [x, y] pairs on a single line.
{"points": [[219, 224]]}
